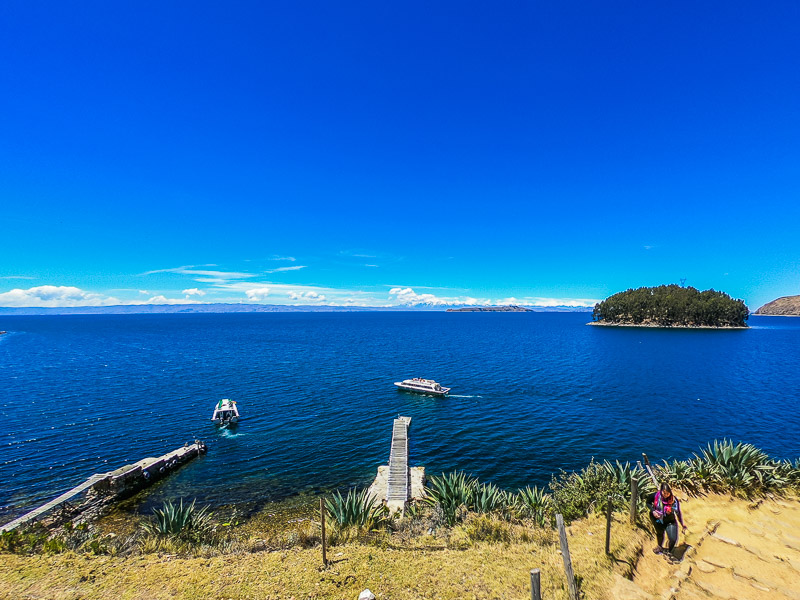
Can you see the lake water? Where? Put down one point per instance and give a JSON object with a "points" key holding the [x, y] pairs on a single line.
{"points": [[532, 393]]}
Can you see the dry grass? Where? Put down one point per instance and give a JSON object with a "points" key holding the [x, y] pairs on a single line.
{"points": [[392, 566]]}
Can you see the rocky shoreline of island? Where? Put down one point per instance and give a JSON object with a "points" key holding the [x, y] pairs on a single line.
{"points": [[658, 326]]}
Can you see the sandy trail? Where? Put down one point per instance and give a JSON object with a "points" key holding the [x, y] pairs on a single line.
{"points": [[736, 550]]}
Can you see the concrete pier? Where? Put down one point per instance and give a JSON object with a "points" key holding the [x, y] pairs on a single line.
{"points": [[396, 484], [104, 488]]}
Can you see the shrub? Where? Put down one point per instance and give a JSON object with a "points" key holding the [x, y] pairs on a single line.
{"points": [[487, 528], [577, 494], [24, 541]]}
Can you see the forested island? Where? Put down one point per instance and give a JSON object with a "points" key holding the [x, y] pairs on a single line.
{"points": [[671, 306]]}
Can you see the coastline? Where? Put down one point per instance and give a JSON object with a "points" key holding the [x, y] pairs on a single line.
{"points": [[657, 326]]}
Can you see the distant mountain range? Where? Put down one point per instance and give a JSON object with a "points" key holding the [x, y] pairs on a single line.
{"points": [[257, 308]]}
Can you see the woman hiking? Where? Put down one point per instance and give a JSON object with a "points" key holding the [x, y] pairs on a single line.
{"points": [[665, 514]]}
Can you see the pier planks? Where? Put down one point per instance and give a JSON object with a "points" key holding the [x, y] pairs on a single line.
{"points": [[397, 493]]}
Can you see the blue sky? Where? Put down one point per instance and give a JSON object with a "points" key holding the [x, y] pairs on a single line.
{"points": [[396, 154]]}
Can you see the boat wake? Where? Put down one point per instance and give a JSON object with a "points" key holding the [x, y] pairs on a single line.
{"points": [[461, 396], [227, 433]]}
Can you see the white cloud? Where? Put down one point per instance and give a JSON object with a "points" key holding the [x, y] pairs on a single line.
{"points": [[549, 302], [145, 292], [204, 275], [371, 266], [312, 296], [160, 299], [51, 296], [257, 294], [282, 269], [509, 302], [220, 278], [289, 258], [17, 277], [475, 302], [356, 254], [193, 292], [571, 302], [408, 297]]}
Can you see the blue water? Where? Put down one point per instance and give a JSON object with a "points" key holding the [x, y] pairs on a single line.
{"points": [[532, 393]]}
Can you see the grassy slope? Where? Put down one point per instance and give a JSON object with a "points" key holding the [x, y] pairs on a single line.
{"points": [[426, 567], [481, 570]]}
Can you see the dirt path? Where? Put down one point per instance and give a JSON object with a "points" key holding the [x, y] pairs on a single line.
{"points": [[736, 550]]}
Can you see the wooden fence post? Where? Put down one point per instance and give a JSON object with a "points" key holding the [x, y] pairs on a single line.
{"points": [[634, 499], [322, 514], [536, 585], [562, 537], [609, 509], [650, 469]]}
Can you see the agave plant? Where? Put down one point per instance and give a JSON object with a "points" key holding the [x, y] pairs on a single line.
{"points": [[179, 520], [793, 474], [704, 475], [356, 509], [678, 473], [739, 468], [488, 498], [622, 474], [453, 494], [772, 476], [534, 503], [789, 472]]}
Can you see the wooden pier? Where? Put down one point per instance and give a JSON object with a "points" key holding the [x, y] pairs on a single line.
{"points": [[399, 477], [108, 487], [396, 484]]}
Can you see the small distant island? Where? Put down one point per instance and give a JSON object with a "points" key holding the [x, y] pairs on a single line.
{"points": [[788, 306], [671, 306], [511, 308]]}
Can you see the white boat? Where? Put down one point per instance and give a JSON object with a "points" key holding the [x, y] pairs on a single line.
{"points": [[422, 386], [225, 413]]}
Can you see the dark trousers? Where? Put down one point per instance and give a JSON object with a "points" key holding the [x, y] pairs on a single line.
{"points": [[671, 530]]}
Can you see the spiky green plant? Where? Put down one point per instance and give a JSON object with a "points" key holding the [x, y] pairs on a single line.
{"points": [[356, 509], [488, 498], [534, 503], [678, 473], [741, 469], [704, 476], [773, 477], [452, 494], [179, 520], [622, 474], [789, 472]]}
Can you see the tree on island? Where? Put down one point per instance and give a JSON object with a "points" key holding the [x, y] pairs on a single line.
{"points": [[672, 306]]}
